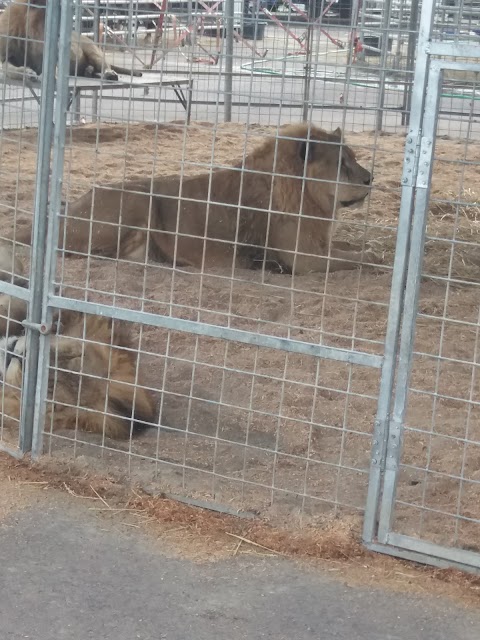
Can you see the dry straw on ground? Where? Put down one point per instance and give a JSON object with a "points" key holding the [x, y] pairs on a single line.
{"points": [[205, 536]]}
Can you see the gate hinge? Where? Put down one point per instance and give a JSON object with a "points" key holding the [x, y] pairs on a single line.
{"points": [[424, 163], [410, 162], [379, 429], [394, 444]]}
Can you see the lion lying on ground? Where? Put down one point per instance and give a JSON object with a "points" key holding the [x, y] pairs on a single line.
{"points": [[92, 385], [285, 219], [22, 38]]}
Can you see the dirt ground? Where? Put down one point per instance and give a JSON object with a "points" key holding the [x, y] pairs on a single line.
{"points": [[283, 435]]}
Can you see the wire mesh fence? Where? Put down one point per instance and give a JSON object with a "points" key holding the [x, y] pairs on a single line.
{"points": [[223, 250]]}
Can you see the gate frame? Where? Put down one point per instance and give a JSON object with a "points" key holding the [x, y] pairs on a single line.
{"points": [[379, 534], [42, 210], [38, 379]]}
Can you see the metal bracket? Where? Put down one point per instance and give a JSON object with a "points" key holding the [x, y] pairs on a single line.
{"points": [[410, 162]]}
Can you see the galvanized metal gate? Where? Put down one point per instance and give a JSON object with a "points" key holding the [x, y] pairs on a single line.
{"points": [[380, 528]]}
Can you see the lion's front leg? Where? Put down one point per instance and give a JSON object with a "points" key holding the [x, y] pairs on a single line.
{"points": [[19, 73], [302, 244], [13, 312], [10, 407], [347, 259]]}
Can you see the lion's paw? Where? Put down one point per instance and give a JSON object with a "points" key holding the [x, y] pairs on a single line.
{"points": [[30, 75], [372, 258], [110, 75]]}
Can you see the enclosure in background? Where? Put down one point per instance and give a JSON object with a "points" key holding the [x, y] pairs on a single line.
{"points": [[313, 399]]}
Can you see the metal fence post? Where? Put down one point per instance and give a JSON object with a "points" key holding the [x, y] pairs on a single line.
{"points": [[228, 85], [52, 222], [130, 25], [42, 179], [76, 102], [308, 61], [96, 38], [381, 427], [387, 12]]}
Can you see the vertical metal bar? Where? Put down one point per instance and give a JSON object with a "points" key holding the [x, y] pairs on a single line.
{"points": [[380, 431], [45, 130], [308, 60], [190, 13], [363, 10], [415, 262], [399, 43], [353, 32], [192, 19], [189, 101], [78, 16], [228, 84], [130, 34], [51, 225], [386, 14], [96, 37], [350, 56], [411, 46], [76, 101]]}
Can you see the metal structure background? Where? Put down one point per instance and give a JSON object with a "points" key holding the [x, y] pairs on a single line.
{"points": [[287, 396]]}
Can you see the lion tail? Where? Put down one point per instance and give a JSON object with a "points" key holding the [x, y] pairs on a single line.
{"points": [[127, 72]]}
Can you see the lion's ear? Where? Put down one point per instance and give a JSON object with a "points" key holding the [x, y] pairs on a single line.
{"points": [[338, 132], [306, 150]]}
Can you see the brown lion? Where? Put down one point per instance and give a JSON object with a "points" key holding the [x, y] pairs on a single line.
{"points": [[93, 367], [12, 310], [253, 216], [22, 38], [92, 383]]}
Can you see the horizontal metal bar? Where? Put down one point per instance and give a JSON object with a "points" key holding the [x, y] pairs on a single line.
{"points": [[204, 504], [212, 331], [14, 290], [437, 65], [11, 451], [405, 554], [452, 49], [461, 557]]}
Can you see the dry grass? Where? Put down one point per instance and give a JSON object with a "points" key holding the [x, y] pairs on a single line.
{"points": [[458, 206]]}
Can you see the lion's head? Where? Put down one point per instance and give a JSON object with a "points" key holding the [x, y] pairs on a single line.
{"points": [[334, 178]]}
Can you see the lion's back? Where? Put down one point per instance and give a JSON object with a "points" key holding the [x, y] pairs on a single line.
{"points": [[17, 33]]}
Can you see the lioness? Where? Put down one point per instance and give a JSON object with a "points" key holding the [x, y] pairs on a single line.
{"points": [[286, 218], [93, 367], [22, 38]]}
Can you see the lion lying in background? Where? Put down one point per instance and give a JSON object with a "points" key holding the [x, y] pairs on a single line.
{"points": [[282, 218], [93, 368], [22, 38]]}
